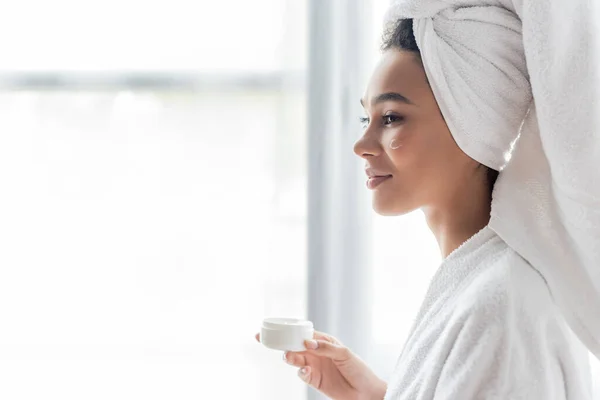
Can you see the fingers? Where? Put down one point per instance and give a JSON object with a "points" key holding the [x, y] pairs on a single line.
{"points": [[295, 359], [323, 336], [305, 374], [304, 370], [322, 345], [323, 348]]}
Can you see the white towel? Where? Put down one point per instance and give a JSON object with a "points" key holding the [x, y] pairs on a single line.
{"points": [[489, 62]]}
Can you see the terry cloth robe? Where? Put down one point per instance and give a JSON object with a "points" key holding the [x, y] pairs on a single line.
{"points": [[489, 329]]}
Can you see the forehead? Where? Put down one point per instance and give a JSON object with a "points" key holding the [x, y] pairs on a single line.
{"points": [[397, 71]]}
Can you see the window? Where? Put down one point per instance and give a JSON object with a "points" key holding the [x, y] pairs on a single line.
{"points": [[125, 35], [153, 198]]}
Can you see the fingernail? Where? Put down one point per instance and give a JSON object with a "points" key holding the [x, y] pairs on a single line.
{"points": [[311, 344], [305, 371], [285, 355]]}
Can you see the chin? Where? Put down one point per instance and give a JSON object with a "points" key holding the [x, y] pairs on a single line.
{"points": [[387, 208]]}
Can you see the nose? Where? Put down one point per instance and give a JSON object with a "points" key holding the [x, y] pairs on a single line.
{"points": [[367, 146]]}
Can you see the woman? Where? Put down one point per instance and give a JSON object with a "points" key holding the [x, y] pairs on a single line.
{"points": [[488, 327]]}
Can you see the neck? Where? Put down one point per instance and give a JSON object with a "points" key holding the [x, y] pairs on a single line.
{"points": [[459, 218]]}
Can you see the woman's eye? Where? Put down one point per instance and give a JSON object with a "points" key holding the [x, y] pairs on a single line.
{"points": [[385, 120], [390, 119]]}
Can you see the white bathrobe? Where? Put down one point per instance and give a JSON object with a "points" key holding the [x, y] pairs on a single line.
{"points": [[488, 329]]}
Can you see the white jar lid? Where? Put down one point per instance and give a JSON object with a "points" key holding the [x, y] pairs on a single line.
{"points": [[287, 334]]}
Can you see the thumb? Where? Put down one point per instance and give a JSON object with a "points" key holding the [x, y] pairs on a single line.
{"points": [[333, 351]]}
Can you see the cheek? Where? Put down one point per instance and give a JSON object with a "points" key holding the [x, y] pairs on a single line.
{"points": [[403, 147], [397, 139], [395, 143], [416, 156]]}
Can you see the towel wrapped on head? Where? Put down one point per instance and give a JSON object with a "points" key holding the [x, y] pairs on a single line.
{"points": [[504, 68]]}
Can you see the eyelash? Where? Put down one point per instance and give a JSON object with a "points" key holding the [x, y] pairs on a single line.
{"points": [[394, 118]]}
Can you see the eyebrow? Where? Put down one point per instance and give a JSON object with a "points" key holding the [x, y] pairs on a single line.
{"points": [[389, 96]]}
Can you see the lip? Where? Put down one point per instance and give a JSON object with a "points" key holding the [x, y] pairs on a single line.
{"points": [[375, 181], [376, 177], [372, 172]]}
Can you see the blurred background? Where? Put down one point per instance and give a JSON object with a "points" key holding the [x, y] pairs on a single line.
{"points": [[172, 172]]}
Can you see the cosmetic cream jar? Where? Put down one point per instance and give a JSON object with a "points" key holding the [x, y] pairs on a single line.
{"points": [[287, 334]]}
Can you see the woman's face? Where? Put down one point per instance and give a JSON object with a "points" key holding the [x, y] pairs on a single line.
{"points": [[406, 144]]}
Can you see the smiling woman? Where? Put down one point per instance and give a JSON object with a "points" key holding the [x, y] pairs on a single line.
{"points": [[487, 325], [388, 145]]}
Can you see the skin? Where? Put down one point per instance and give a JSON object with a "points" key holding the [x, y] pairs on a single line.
{"points": [[406, 137]]}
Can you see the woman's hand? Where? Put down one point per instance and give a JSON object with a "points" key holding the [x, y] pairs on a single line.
{"points": [[334, 370]]}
